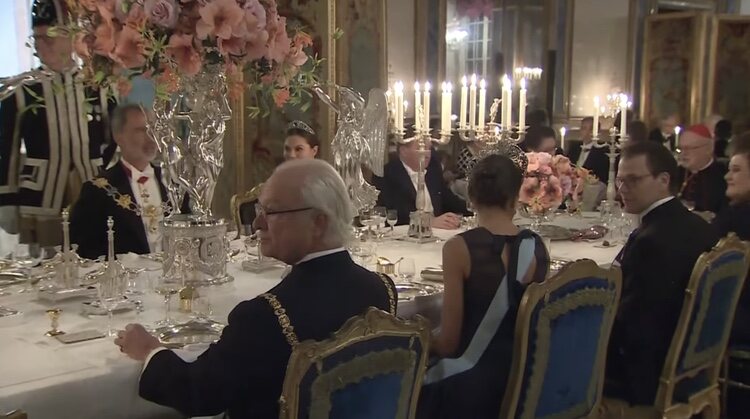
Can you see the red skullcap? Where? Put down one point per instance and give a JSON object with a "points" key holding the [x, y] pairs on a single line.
{"points": [[700, 130]]}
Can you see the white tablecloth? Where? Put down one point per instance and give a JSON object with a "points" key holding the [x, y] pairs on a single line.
{"points": [[93, 379]]}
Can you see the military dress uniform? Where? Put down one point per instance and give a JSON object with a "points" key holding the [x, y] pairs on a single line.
{"points": [[63, 126]]}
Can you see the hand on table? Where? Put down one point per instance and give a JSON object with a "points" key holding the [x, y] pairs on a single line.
{"points": [[136, 342], [447, 221]]}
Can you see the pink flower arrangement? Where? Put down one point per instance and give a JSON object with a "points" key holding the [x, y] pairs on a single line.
{"points": [[119, 39], [549, 181]]}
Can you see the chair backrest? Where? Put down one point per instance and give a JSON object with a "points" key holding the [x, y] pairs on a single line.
{"points": [[560, 346], [695, 354], [371, 368], [243, 207]]}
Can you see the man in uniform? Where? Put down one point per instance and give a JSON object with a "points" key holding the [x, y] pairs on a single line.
{"points": [[61, 125]]}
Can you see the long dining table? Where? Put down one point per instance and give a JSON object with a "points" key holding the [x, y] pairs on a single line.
{"points": [[92, 379]]}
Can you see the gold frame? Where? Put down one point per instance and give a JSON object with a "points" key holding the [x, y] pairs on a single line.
{"points": [[709, 397], [237, 201], [343, 78], [537, 292], [373, 324], [695, 78], [421, 13], [716, 20]]}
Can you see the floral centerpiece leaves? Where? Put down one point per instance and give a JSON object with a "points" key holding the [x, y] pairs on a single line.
{"points": [[549, 181], [171, 40]]}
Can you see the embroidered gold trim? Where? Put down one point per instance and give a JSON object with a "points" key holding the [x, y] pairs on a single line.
{"points": [[391, 294], [125, 201], [286, 325]]}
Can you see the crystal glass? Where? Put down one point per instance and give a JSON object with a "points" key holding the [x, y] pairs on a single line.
{"points": [[111, 290], [379, 217], [166, 286], [406, 269], [391, 217], [26, 256]]}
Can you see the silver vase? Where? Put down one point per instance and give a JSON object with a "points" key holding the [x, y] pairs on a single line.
{"points": [[189, 130]]}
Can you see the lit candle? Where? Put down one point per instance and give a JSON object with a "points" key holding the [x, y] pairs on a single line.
{"points": [[522, 107], [473, 102], [509, 108], [595, 129], [677, 130], [623, 115], [417, 107], [562, 138], [464, 99], [400, 107], [426, 105], [504, 103], [482, 100], [446, 107]]}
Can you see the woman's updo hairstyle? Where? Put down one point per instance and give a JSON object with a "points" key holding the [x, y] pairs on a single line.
{"points": [[495, 182]]}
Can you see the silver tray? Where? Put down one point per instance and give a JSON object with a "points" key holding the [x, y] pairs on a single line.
{"points": [[414, 290], [192, 332]]}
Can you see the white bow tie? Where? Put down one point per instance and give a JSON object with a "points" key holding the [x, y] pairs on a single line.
{"points": [[586, 147]]}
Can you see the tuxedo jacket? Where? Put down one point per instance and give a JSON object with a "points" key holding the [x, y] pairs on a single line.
{"points": [[597, 161], [656, 135], [656, 263], [397, 190], [706, 188], [244, 371], [88, 218], [63, 125]]}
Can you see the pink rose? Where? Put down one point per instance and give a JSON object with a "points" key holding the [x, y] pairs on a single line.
{"points": [[529, 188], [561, 165], [533, 165], [279, 43], [545, 159], [182, 51], [280, 97], [297, 56], [218, 19], [162, 13]]}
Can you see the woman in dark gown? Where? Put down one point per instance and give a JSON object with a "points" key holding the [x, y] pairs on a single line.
{"points": [[485, 272], [736, 218]]}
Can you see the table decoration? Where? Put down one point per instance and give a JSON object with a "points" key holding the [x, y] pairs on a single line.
{"points": [[54, 318], [198, 53]]}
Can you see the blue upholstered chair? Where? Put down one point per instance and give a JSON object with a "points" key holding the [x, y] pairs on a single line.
{"points": [[689, 379], [371, 369], [562, 331]]}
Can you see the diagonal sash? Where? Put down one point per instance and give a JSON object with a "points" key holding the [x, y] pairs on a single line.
{"points": [[489, 325]]}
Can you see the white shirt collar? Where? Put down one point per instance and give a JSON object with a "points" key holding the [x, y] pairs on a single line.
{"points": [[320, 254], [409, 170], [135, 173], [654, 205]]}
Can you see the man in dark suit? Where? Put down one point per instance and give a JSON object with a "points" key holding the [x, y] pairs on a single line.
{"points": [[398, 188], [701, 177], [665, 133], [587, 156], [304, 217], [131, 192], [656, 263]]}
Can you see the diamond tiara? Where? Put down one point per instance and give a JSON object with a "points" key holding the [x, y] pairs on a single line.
{"points": [[301, 125]]}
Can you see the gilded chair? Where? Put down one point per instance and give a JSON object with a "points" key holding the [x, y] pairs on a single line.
{"points": [[560, 345], [689, 380], [372, 368], [243, 208]]}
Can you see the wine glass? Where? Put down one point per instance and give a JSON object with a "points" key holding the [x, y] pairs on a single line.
{"points": [[406, 269], [378, 217], [166, 286], [111, 292], [26, 256], [391, 217]]}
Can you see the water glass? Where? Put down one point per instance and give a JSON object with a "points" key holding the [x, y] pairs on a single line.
{"points": [[406, 269], [111, 292], [166, 287], [391, 217], [26, 256]]}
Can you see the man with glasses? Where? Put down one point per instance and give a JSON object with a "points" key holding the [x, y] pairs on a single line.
{"points": [[61, 125], [656, 263], [702, 184], [304, 219]]}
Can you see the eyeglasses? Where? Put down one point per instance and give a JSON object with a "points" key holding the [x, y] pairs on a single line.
{"points": [[260, 211], [629, 181]]}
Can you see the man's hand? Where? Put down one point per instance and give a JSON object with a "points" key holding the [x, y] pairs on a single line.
{"points": [[136, 342], [447, 221]]}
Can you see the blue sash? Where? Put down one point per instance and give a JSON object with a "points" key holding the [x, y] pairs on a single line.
{"points": [[489, 325]]}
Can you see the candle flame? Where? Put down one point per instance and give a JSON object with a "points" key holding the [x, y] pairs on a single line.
{"points": [[482, 84], [677, 130], [563, 130], [406, 105], [473, 79], [399, 87], [449, 87], [416, 86], [506, 82], [463, 81], [596, 101], [523, 84], [427, 86]]}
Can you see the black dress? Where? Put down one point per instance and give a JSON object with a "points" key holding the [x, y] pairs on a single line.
{"points": [[478, 392], [736, 219]]}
